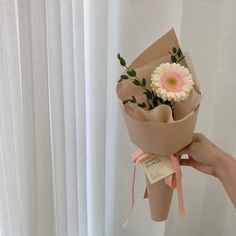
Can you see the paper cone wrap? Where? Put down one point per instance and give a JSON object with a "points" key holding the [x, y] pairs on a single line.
{"points": [[161, 138], [159, 196]]}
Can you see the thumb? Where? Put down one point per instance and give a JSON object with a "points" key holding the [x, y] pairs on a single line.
{"points": [[183, 151]]}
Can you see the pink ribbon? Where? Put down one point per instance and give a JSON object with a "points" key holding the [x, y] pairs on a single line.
{"points": [[173, 181]]}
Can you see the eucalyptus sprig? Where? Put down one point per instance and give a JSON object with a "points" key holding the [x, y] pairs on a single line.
{"points": [[152, 99], [132, 74], [133, 100], [176, 55]]}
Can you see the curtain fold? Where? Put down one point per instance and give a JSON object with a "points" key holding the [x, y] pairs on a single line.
{"points": [[65, 168], [95, 42]]}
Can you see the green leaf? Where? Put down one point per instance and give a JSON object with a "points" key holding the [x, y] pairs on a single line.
{"points": [[125, 101], [122, 61], [143, 82], [173, 59], [124, 77], [118, 56], [137, 82], [150, 107], [179, 53], [155, 101], [142, 105], [174, 50], [131, 73], [148, 94], [180, 59], [133, 100], [166, 102]]}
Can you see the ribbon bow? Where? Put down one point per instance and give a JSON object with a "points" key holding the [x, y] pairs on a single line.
{"points": [[173, 181]]}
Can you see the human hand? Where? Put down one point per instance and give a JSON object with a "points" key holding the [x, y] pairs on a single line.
{"points": [[206, 157], [202, 154]]}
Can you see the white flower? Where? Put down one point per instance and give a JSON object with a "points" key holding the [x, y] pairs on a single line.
{"points": [[172, 81]]}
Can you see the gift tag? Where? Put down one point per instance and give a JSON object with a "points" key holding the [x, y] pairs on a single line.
{"points": [[157, 168]]}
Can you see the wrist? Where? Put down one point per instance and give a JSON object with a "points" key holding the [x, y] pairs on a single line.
{"points": [[223, 162], [225, 172]]}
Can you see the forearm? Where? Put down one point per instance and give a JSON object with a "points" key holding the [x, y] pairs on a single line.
{"points": [[226, 173]]}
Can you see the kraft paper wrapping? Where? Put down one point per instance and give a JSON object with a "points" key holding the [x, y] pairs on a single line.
{"points": [[159, 196], [157, 131]]}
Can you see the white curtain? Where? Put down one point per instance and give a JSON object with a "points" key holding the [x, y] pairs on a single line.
{"points": [[64, 149]]}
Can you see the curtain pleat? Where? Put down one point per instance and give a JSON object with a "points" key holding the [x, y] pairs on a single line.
{"points": [[15, 176], [80, 111], [66, 87], [95, 89], [43, 141], [57, 120]]}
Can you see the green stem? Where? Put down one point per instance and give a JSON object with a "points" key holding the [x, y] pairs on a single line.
{"points": [[143, 87], [135, 75], [180, 59]]}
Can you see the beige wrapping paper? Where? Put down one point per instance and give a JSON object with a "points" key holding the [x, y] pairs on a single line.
{"points": [[159, 196], [156, 131]]}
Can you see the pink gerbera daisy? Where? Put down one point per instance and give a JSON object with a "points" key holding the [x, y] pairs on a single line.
{"points": [[172, 81]]}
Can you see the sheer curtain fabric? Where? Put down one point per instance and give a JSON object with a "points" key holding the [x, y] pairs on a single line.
{"points": [[64, 149]]}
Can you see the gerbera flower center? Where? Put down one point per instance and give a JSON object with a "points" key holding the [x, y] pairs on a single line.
{"points": [[172, 81]]}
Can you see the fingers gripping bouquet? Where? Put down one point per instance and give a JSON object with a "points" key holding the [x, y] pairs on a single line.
{"points": [[160, 100]]}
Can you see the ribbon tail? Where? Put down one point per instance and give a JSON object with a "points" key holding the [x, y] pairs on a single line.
{"points": [[133, 186], [178, 185], [133, 196]]}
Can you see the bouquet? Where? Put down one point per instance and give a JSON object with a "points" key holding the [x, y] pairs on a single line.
{"points": [[160, 97]]}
